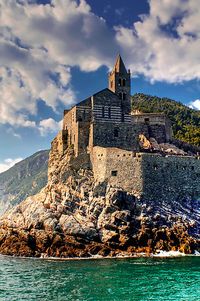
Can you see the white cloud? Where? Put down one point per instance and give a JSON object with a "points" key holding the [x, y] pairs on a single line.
{"points": [[159, 53], [8, 163], [40, 43], [49, 125], [195, 104], [69, 32], [15, 99]]}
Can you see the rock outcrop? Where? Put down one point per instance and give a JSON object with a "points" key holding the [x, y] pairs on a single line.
{"points": [[166, 148], [75, 217]]}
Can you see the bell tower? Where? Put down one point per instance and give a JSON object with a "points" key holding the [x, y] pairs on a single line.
{"points": [[120, 83]]}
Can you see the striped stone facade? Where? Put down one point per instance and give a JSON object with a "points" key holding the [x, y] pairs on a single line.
{"points": [[105, 119]]}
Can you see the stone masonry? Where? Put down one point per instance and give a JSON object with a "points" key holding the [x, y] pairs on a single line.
{"points": [[103, 130]]}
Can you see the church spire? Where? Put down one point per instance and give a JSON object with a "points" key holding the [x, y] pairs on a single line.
{"points": [[119, 65], [120, 84]]}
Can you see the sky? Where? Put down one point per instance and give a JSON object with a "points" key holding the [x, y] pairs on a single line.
{"points": [[55, 53]]}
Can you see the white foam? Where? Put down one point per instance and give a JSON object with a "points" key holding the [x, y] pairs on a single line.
{"points": [[169, 254]]}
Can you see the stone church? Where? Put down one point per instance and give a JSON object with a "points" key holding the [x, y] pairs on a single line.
{"points": [[104, 133], [105, 119]]}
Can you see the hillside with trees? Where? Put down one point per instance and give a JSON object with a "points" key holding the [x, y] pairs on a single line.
{"points": [[25, 178]]}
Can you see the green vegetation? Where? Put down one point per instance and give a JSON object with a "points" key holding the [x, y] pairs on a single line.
{"points": [[24, 178], [185, 121]]}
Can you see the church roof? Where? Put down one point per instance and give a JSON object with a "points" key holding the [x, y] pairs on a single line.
{"points": [[87, 101], [105, 90], [119, 65]]}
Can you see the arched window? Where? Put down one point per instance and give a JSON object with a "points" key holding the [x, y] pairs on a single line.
{"points": [[124, 82], [120, 82]]}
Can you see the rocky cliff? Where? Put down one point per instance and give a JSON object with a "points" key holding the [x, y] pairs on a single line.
{"points": [[23, 179], [75, 217]]}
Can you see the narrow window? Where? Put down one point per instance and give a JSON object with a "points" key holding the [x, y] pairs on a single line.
{"points": [[114, 173], [120, 96], [120, 82], [146, 120], [109, 112], [122, 117], [116, 133], [124, 82], [103, 112], [84, 114], [124, 96]]}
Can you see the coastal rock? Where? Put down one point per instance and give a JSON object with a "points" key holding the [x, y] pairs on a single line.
{"points": [[75, 217]]}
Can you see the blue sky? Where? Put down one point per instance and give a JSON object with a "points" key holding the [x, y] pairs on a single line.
{"points": [[55, 53]]}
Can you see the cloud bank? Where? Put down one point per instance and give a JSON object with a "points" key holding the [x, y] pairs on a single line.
{"points": [[164, 45], [39, 44]]}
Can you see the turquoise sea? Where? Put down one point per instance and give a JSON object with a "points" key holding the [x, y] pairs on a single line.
{"points": [[139, 279]]}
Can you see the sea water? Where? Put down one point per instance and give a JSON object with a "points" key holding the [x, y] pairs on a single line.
{"points": [[139, 279]]}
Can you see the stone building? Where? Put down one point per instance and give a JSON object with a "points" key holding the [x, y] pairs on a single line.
{"points": [[105, 118], [103, 128]]}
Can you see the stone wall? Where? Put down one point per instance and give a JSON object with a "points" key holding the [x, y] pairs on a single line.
{"points": [[76, 124], [107, 106], [101, 121], [150, 176], [112, 134], [158, 132], [170, 178], [149, 118], [120, 168], [59, 143], [83, 140], [116, 85], [159, 126]]}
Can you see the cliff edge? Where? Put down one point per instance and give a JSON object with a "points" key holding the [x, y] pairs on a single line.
{"points": [[74, 216]]}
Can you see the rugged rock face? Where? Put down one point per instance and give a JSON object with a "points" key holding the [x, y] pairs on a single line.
{"points": [[23, 179], [174, 148], [75, 217]]}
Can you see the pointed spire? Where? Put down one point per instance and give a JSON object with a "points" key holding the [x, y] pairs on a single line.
{"points": [[119, 65]]}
